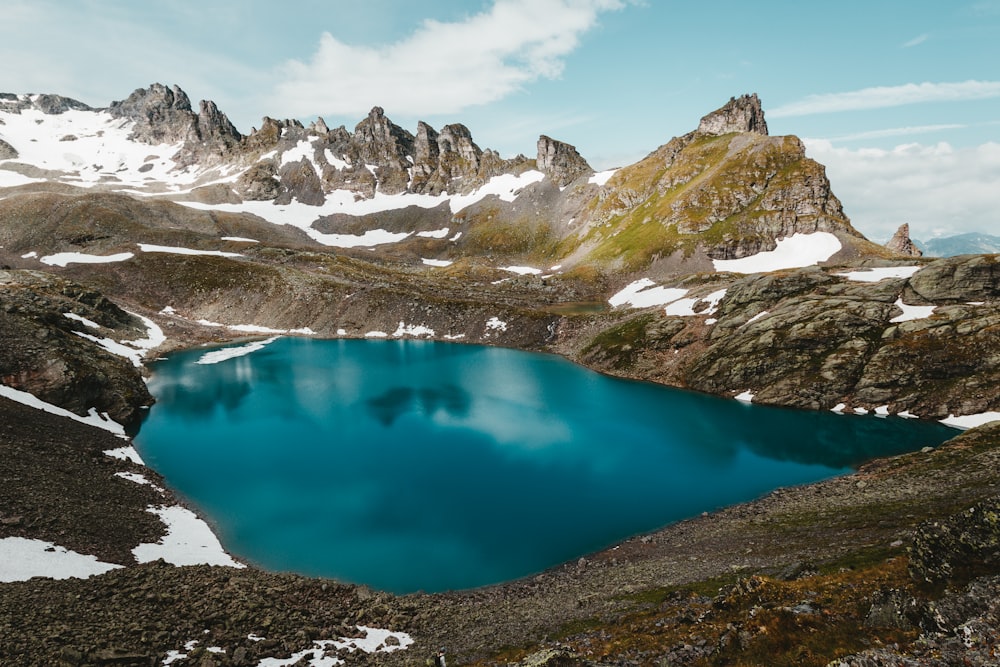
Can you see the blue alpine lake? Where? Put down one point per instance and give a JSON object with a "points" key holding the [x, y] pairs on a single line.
{"points": [[414, 465]]}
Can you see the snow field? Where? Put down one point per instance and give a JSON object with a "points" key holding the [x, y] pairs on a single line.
{"points": [[795, 251]]}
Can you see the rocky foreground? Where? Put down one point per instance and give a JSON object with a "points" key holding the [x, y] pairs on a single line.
{"points": [[899, 559]]}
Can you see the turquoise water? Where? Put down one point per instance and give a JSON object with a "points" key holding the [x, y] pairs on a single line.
{"points": [[415, 465]]}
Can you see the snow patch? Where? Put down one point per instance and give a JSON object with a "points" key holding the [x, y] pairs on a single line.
{"points": [[436, 234], [685, 307], [22, 558], [912, 312], [82, 320], [642, 293], [795, 251], [496, 324], [522, 270], [415, 330], [880, 273], [125, 454], [65, 258], [239, 239], [189, 541], [602, 177], [374, 641], [92, 419], [745, 397], [971, 421], [440, 263], [376, 334], [149, 247], [226, 353]]}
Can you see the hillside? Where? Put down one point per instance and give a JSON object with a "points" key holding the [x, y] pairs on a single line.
{"points": [[722, 262]]}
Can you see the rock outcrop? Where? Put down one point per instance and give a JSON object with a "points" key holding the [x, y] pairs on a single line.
{"points": [[901, 244], [560, 161], [740, 114], [164, 115], [44, 354], [48, 104], [7, 152]]}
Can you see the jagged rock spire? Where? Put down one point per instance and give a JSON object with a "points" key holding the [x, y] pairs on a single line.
{"points": [[740, 114], [164, 115], [901, 244], [560, 161]]}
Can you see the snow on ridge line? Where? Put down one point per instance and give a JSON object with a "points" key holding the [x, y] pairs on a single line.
{"points": [[92, 419], [792, 252], [602, 177], [22, 559]]}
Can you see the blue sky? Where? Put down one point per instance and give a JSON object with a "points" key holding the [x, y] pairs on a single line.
{"points": [[900, 99]]}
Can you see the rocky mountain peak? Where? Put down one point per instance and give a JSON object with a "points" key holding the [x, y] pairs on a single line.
{"points": [[164, 115], [901, 244], [560, 161], [740, 114]]}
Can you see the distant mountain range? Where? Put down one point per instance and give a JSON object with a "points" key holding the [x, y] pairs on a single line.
{"points": [[972, 243]]}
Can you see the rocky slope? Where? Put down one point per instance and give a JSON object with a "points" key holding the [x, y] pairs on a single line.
{"points": [[177, 222]]}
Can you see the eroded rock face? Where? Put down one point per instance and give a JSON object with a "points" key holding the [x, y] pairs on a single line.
{"points": [[901, 244], [164, 115], [42, 355], [962, 279], [810, 339], [259, 182], [560, 161], [299, 181], [740, 114]]}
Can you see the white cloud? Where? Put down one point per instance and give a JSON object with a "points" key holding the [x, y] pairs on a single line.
{"points": [[900, 131], [937, 189], [881, 97], [919, 39], [442, 67]]}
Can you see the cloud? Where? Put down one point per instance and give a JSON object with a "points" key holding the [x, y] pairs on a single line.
{"points": [[919, 39], [442, 67], [937, 189], [881, 97], [900, 131]]}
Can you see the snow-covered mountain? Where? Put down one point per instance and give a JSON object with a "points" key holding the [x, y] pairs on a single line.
{"points": [[718, 193]]}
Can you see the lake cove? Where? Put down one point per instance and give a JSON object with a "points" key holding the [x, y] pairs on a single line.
{"points": [[415, 465]]}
